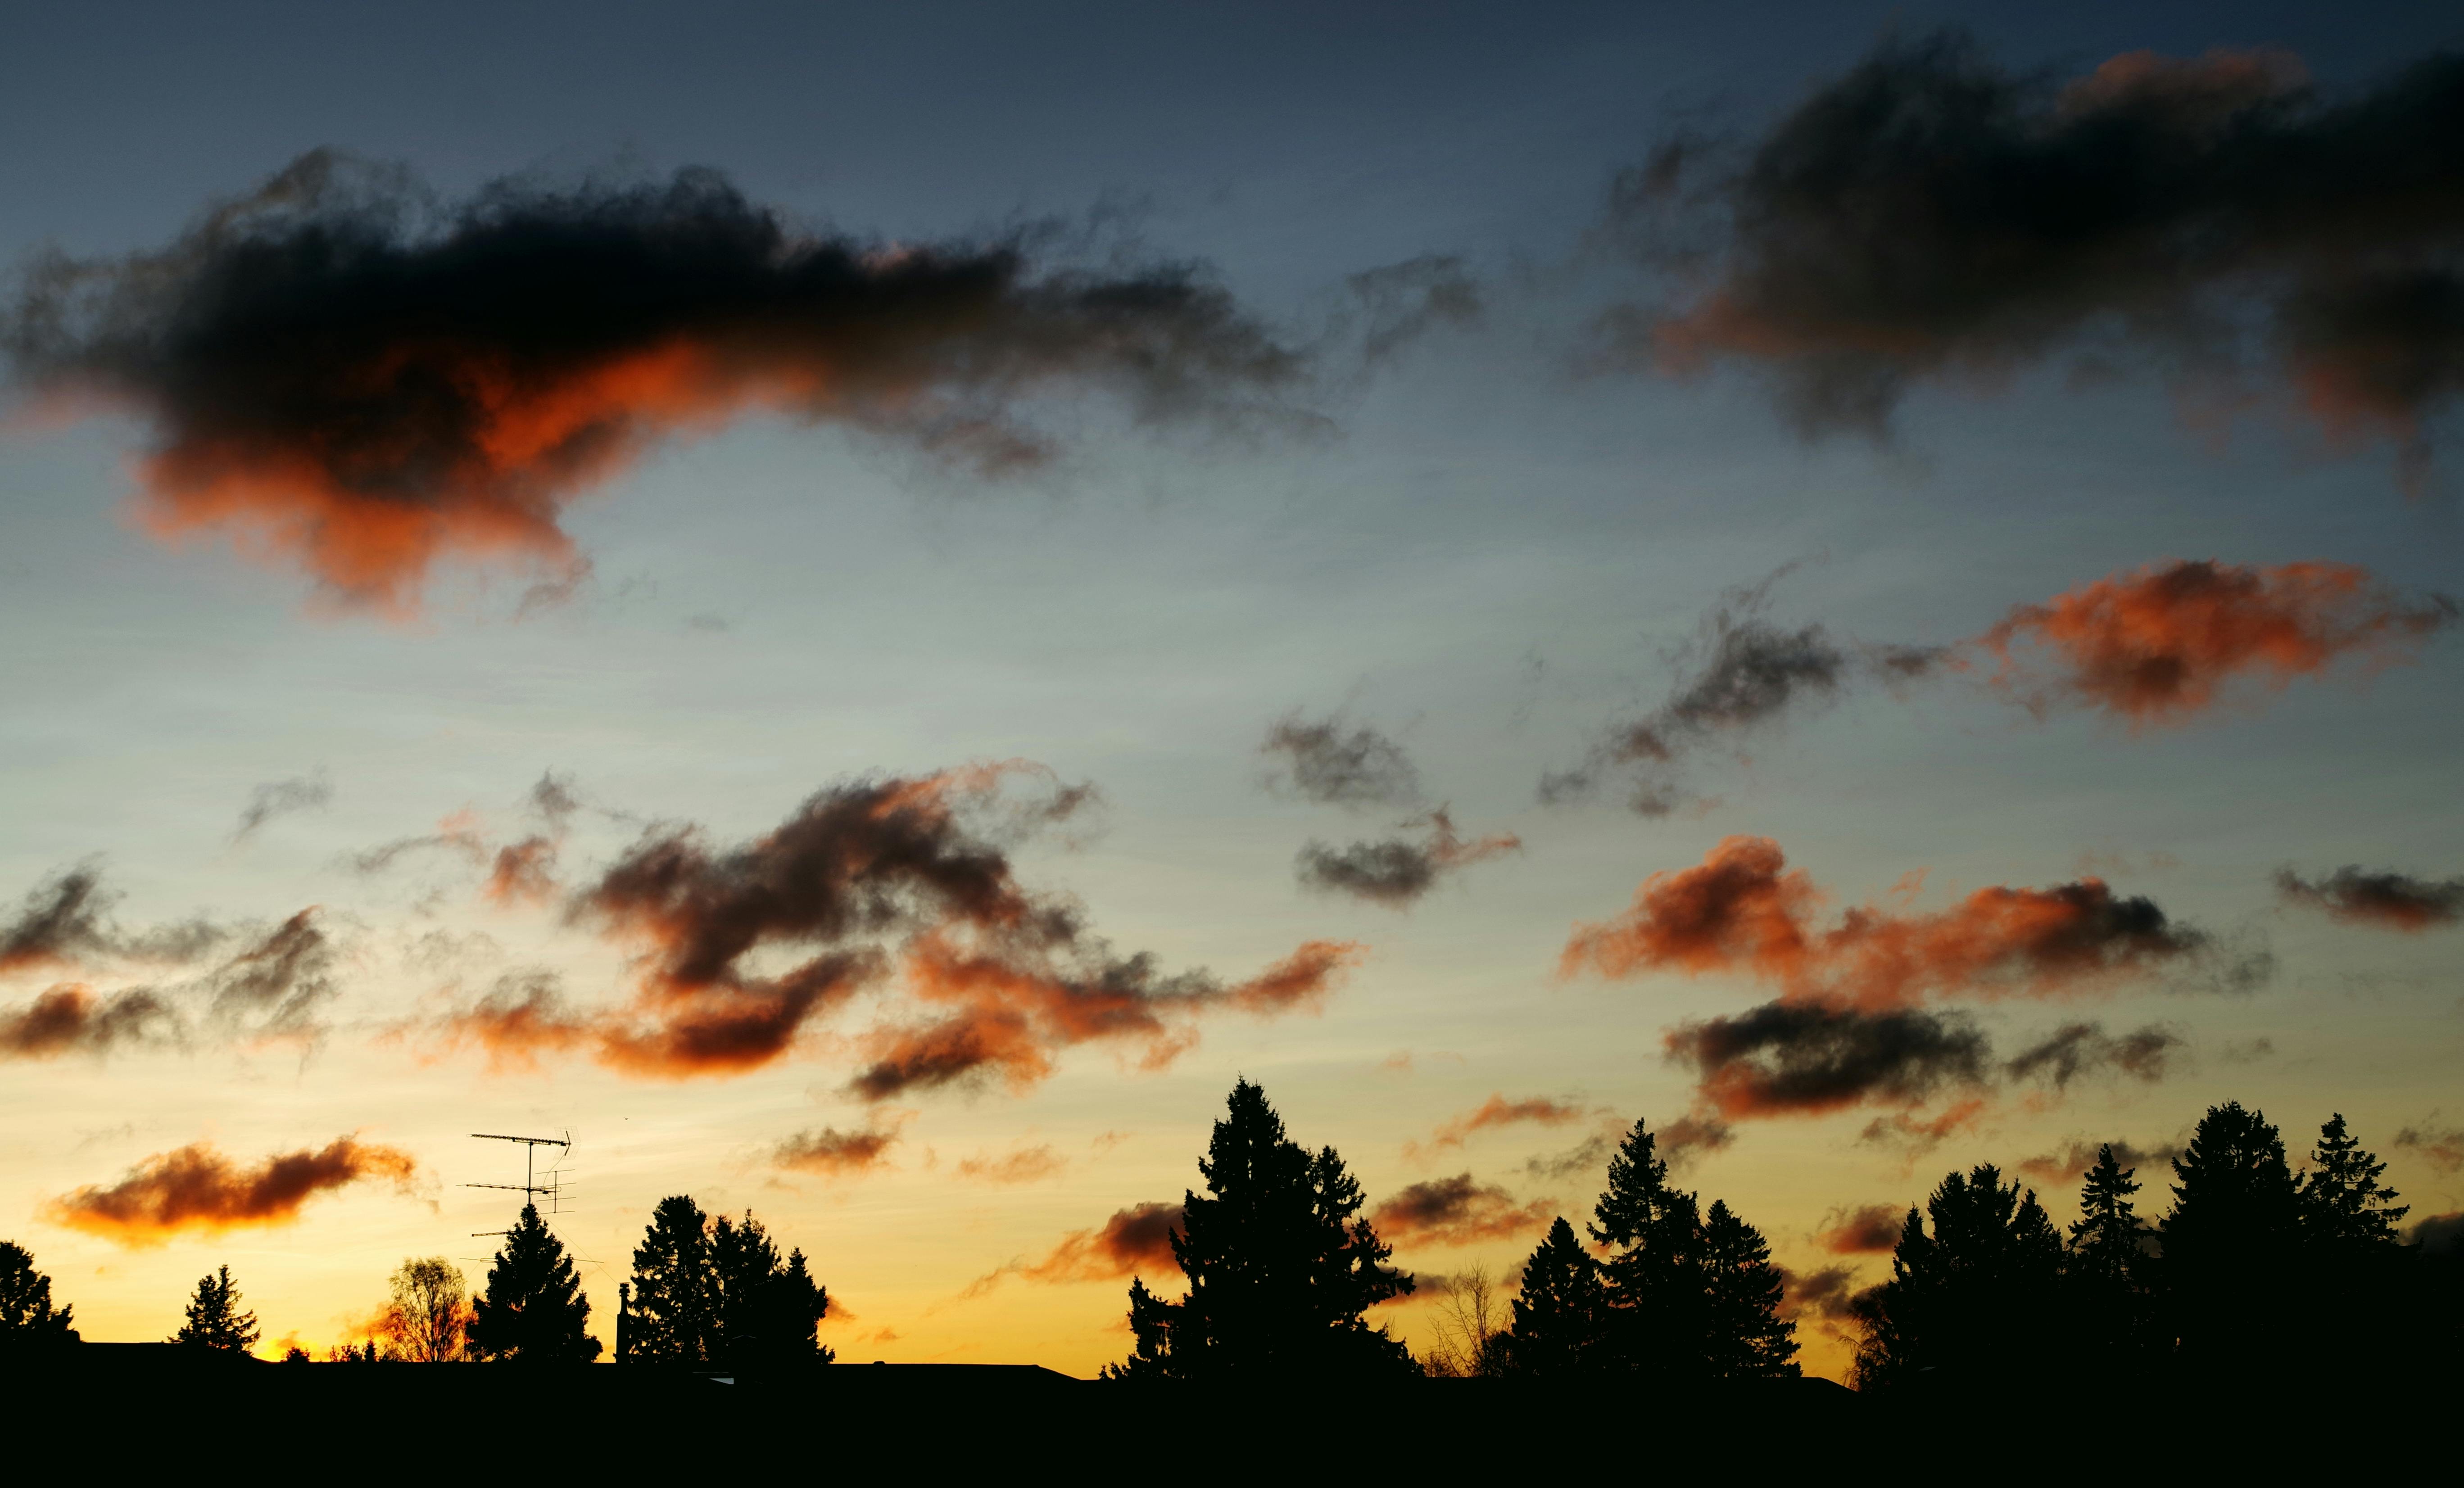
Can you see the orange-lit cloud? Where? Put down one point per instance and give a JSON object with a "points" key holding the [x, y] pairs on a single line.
{"points": [[750, 948], [2440, 1147], [344, 379], [1016, 1006], [1457, 1211], [1499, 1111], [2160, 645], [1867, 1229], [1024, 1164], [2386, 900], [831, 1154], [72, 1020], [196, 1189], [2069, 1164], [1134, 1241], [1743, 910]]}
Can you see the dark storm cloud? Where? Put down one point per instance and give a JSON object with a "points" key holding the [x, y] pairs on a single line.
{"points": [[902, 884], [1790, 1059], [347, 373], [1397, 871], [1323, 760], [281, 798], [1932, 217], [1739, 675], [2384, 898], [2077, 1049]]}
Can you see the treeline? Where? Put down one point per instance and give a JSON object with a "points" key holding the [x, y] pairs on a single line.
{"points": [[2254, 1265], [705, 1293], [1283, 1269]]}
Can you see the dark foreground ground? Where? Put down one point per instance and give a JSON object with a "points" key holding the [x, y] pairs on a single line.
{"points": [[115, 1410]]}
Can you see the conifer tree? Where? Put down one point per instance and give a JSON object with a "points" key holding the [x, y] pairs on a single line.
{"points": [[1976, 1299], [1746, 1339], [2345, 1208], [214, 1318], [1281, 1267], [2232, 1241], [670, 1322], [763, 1311], [533, 1310], [2109, 1321], [1655, 1279], [27, 1315], [1561, 1313]]}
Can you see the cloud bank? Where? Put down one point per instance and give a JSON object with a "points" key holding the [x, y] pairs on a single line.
{"points": [[196, 1189], [346, 376], [1932, 217]]}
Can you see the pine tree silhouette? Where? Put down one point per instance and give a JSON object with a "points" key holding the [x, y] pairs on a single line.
{"points": [[1658, 1290], [2345, 1208], [1281, 1268], [1747, 1338], [763, 1311], [2232, 1242], [1974, 1302], [2111, 1320], [533, 1310], [26, 1315], [1561, 1315], [215, 1319], [670, 1322]]}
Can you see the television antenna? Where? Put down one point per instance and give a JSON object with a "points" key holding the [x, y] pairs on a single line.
{"points": [[530, 1185]]}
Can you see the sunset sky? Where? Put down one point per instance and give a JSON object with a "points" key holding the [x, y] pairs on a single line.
{"points": [[862, 607]]}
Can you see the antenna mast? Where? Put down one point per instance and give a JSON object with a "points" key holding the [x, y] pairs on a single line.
{"points": [[530, 1185]]}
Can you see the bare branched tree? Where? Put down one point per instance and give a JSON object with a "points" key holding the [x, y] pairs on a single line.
{"points": [[429, 1312], [1470, 1317]]}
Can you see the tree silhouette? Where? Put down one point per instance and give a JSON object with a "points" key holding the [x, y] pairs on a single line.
{"points": [[2345, 1208], [533, 1310], [1972, 1302], [1281, 1267], [763, 1311], [2231, 1242], [670, 1322], [1470, 1323], [215, 1319], [2109, 1320], [1746, 1339], [1658, 1295], [1561, 1314], [27, 1315], [430, 1313]]}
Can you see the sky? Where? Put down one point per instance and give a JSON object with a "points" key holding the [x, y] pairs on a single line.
{"points": [[860, 609]]}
